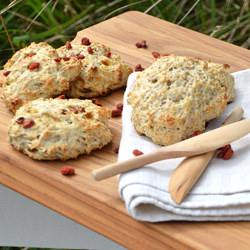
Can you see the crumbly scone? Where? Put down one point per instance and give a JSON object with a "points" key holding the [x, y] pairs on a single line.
{"points": [[176, 96], [101, 72], [31, 76], [50, 129]]}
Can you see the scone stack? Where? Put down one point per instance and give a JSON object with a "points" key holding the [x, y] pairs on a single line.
{"points": [[46, 125]]}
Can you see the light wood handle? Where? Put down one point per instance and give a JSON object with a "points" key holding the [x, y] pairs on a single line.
{"points": [[196, 145], [190, 169]]}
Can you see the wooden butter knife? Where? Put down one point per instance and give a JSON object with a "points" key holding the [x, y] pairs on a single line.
{"points": [[193, 146], [190, 169]]}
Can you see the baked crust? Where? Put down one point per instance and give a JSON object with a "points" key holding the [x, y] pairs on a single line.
{"points": [[101, 71], [176, 96], [62, 129], [49, 79]]}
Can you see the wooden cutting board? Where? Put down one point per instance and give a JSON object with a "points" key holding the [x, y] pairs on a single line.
{"points": [[97, 205]]}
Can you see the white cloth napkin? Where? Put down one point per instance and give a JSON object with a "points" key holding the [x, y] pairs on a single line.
{"points": [[221, 194]]}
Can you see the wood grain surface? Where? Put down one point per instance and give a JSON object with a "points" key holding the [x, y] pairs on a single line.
{"points": [[97, 205]]}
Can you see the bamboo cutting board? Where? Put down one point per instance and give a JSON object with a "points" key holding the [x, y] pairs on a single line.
{"points": [[97, 205]]}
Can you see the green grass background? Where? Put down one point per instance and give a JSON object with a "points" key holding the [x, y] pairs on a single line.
{"points": [[56, 21]]}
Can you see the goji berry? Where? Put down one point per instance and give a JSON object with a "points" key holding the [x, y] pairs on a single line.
{"points": [[137, 152], [57, 60], [65, 58], [119, 106], [67, 170], [228, 154], [116, 113], [138, 67], [155, 54], [6, 73], [220, 155], [31, 54], [20, 120], [108, 54], [81, 57], [116, 149], [61, 97], [28, 123], [85, 41], [225, 148], [95, 101], [90, 50], [34, 65], [68, 45]]}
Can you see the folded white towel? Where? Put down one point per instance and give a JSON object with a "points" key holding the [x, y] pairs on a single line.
{"points": [[221, 194]]}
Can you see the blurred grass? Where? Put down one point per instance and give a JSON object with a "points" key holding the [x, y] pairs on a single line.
{"points": [[56, 21]]}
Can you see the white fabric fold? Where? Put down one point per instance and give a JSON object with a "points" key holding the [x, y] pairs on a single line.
{"points": [[221, 194]]}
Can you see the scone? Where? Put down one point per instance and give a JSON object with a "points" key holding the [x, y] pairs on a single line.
{"points": [[101, 72], [36, 71], [176, 96], [50, 129]]}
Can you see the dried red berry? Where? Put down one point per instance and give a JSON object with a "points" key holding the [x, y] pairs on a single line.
{"points": [[155, 54], [220, 155], [137, 152], [6, 73], [31, 54], [228, 154], [65, 58], [116, 113], [85, 41], [73, 55], [81, 109], [196, 133], [90, 50], [67, 170], [33, 66], [166, 55], [141, 44], [28, 124], [119, 106], [57, 60], [138, 67], [108, 54], [19, 120], [68, 45], [116, 149], [61, 97], [225, 148], [81, 57]]}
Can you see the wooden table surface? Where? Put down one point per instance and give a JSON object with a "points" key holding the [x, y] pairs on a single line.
{"points": [[97, 205]]}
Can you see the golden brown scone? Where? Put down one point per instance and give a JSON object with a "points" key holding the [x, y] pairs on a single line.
{"points": [[36, 71], [50, 129], [177, 95], [101, 72]]}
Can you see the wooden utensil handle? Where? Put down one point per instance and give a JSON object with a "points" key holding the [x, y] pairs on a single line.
{"points": [[190, 169]]}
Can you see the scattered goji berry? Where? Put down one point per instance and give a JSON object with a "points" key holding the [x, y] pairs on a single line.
{"points": [[116, 113], [31, 54], [137, 152], [220, 155], [119, 106], [34, 65], [67, 170], [138, 67], [225, 148], [196, 133], [74, 110], [28, 123], [90, 50], [57, 59], [108, 54], [116, 149], [61, 97], [81, 57], [155, 54], [81, 109], [65, 58], [68, 45], [20, 120], [166, 55], [142, 44], [228, 154], [85, 41], [6, 73]]}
